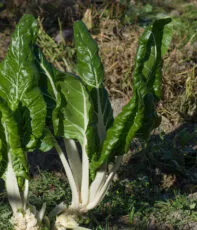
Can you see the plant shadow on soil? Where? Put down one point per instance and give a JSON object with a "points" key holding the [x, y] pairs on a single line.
{"points": [[161, 179], [156, 186]]}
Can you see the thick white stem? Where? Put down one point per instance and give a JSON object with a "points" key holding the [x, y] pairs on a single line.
{"points": [[103, 190], [97, 183], [85, 178], [73, 186], [26, 193], [74, 161], [13, 192]]}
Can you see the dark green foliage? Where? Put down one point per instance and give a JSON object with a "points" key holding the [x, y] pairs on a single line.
{"points": [[138, 117]]}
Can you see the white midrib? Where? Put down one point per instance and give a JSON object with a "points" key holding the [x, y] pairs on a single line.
{"points": [[17, 75], [17, 82], [50, 79], [100, 125], [85, 160]]}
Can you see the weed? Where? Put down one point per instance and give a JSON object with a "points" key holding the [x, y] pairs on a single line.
{"points": [[5, 215], [49, 187]]}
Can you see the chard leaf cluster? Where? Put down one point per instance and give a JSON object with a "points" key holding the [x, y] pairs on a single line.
{"points": [[39, 105]]}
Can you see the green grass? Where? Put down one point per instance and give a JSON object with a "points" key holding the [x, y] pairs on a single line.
{"points": [[5, 214], [137, 200], [49, 187]]}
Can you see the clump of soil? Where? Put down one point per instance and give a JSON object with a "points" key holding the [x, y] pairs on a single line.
{"points": [[4, 42]]}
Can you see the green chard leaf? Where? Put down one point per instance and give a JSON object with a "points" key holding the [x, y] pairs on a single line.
{"points": [[19, 81], [11, 140], [72, 114], [148, 72], [138, 117], [90, 70], [152, 46], [47, 142], [47, 85], [23, 109]]}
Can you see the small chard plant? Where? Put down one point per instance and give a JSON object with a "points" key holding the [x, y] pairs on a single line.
{"points": [[43, 108], [81, 116]]}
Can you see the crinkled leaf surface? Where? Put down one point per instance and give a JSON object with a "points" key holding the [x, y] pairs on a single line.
{"points": [[139, 117], [23, 108], [19, 81], [147, 73], [90, 69], [153, 45], [12, 140]]}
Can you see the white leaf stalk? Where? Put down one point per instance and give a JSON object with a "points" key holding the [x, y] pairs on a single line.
{"points": [[25, 217], [84, 198]]}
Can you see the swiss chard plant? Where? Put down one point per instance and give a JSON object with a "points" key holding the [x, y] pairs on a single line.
{"points": [[41, 107], [81, 115], [22, 121]]}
